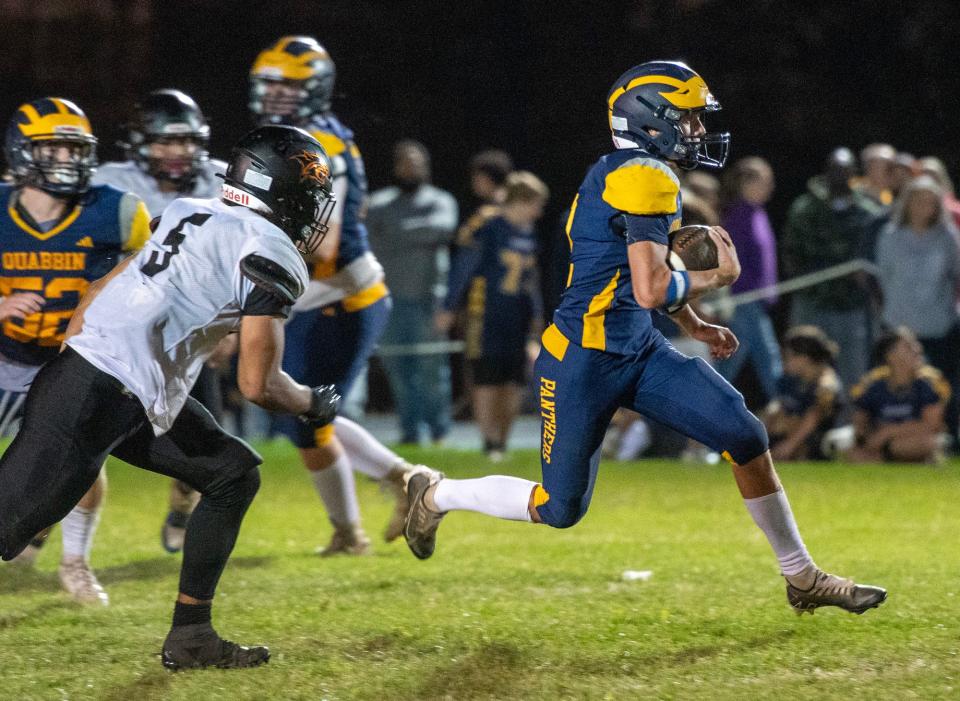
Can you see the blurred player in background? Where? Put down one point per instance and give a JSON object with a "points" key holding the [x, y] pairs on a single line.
{"points": [[808, 399], [340, 318], [495, 276], [58, 233], [167, 158], [900, 404], [137, 343], [602, 352]]}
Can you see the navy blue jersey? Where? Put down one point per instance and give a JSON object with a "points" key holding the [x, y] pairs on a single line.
{"points": [[497, 275], [59, 264], [886, 404], [346, 162], [627, 196], [797, 396]]}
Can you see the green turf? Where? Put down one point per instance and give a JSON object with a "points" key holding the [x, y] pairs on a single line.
{"points": [[514, 611]]}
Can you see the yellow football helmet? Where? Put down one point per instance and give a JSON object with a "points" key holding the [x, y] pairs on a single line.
{"points": [[291, 80], [50, 145]]}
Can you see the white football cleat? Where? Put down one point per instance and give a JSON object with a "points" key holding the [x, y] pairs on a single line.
{"points": [[81, 583]]}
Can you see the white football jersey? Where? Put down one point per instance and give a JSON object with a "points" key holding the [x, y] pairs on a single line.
{"points": [[128, 176], [153, 325]]}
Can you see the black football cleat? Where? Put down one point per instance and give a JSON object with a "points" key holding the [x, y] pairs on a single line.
{"points": [[831, 590], [197, 645]]}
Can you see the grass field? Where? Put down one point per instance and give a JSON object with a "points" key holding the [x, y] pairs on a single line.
{"points": [[513, 611]]}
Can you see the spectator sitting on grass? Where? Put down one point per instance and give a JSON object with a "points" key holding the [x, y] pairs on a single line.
{"points": [[899, 405], [808, 399]]}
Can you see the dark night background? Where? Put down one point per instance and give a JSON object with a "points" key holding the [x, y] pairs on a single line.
{"points": [[795, 79]]}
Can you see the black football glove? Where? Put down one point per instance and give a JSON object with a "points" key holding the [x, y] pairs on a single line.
{"points": [[324, 403]]}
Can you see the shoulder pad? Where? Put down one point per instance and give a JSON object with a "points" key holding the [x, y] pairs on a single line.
{"points": [[936, 380], [476, 221], [642, 186], [272, 277], [331, 143], [878, 374]]}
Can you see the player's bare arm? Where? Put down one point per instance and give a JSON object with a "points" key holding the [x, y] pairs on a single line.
{"points": [[722, 341], [259, 373], [650, 274]]}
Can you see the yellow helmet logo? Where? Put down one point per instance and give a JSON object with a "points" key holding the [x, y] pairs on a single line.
{"points": [[687, 94], [291, 58], [53, 118]]}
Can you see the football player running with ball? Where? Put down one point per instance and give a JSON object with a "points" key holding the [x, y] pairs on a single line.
{"points": [[135, 346], [602, 352]]}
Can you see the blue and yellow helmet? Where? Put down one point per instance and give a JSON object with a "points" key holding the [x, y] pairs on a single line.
{"points": [[36, 127], [300, 61], [645, 107]]}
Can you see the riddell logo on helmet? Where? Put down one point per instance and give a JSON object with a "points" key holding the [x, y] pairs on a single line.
{"points": [[312, 166], [234, 195]]}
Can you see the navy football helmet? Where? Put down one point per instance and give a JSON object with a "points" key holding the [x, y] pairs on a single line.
{"points": [[283, 173], [166, 115], [34, 137], [647, 104]]}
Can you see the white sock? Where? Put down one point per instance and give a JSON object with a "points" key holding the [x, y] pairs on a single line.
{"points": [[77, 529], [634, 440], [773, 515], [338, 492], [367, 454], [497, 495]]}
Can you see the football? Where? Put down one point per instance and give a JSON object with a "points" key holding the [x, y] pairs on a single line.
{"points": [[691, 248]]}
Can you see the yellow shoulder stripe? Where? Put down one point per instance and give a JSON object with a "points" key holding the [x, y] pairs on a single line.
{"points": [[139, 228], [331, 143], [477, 219], [936, 380], [642, 186], [881, 372]]}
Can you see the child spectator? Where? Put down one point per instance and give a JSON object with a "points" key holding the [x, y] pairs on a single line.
{"points": [[495, 278], [899, 405], [808, 400]]}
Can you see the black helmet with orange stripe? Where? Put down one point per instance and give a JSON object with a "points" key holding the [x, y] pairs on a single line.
{"points": [[283, 173], [659, 106], [49, 145]]}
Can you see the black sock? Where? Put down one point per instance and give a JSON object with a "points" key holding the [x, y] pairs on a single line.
{"points": [[188, 614], [489, 446]]}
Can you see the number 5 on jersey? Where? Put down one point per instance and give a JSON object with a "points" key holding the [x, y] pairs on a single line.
{"points": [[173, 239]]}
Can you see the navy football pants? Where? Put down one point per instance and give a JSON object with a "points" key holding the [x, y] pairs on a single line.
{"points": [[581, 389]]}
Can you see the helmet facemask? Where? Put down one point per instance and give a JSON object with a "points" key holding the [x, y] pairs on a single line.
{"points": [[316, 225], [279, 101], [179, 170], [662, 135], [60, 166]]}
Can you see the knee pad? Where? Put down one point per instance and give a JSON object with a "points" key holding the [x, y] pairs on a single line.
{"points": [[237, 487], [561, 513], [747, 438]]}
